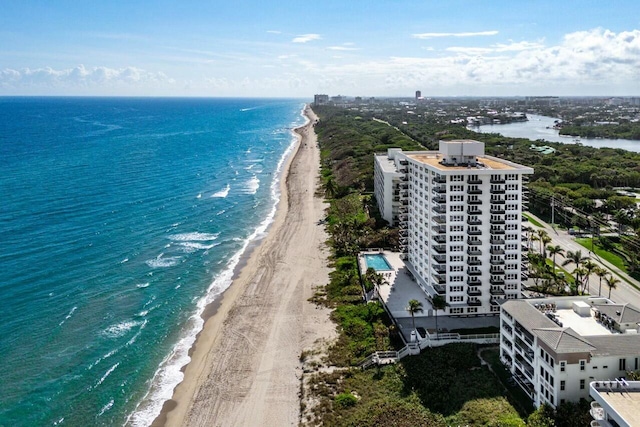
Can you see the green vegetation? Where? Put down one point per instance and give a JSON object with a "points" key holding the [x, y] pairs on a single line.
{"points": [[440, 387], [609, 131], [533, 221]]}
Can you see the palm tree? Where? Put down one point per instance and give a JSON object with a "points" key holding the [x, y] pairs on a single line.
{"points": [[529, 231], [612, 283], [438, 302], [574, 258], [330, 187], [376, 279], [600, 272], [414, 307], [542, 237], [553, 251], [590, 267], [580, 273]]}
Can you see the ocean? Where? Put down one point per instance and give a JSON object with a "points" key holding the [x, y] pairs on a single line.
{"points": [[120, 220]]}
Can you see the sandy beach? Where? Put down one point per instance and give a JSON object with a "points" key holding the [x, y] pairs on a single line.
{"points": [[245, 368]]}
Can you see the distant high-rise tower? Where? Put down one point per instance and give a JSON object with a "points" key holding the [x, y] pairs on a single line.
{"points": [[418, 95]]}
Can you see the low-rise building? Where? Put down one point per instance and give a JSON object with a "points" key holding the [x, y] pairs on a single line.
{"points": [[555, 347], [615, 403]]}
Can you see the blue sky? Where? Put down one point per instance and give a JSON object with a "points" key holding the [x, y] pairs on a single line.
{"points": [[295, 49]]}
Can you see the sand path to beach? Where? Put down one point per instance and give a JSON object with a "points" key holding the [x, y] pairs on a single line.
{"points": [[245, 368]]}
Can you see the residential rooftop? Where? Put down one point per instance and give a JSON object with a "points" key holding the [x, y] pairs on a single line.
{"points": [[622, 397]]}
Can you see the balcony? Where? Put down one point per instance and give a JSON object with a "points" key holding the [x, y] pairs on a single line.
{"points": [[474, 181], [439, 229], [498, 201], [441, 249], [439, 199], [440, 189], [497, 221], [440, 209], [496, 241], [498, 282], [440, 269], [498, 191], [473, 272], [474, 302], [496, 270], [440, 238], [497, 230], [474, 251], [497, 211], [474, 202], [474, 211], [440, 179], [441, 259], [474, 232], [474, 292], [474, 221], [496, 251], [473, 281], [474, 242], [439, 219], [472, 261], [496, 180], [496, 261], [474, 191], [440, 279]]}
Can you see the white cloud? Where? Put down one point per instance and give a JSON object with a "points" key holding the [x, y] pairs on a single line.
{"points": [[274, 32], [304, 38], [96, 79], [467, 34], [498, 47], [342, 48]]}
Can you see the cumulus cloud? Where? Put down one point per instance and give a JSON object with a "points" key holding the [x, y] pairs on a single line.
{"points": [[463, 34], [596, 61], [305, 38], [79, 77]]}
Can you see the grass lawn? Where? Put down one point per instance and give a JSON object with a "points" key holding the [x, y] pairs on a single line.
{"points": [[533, 221], [611, 257]]}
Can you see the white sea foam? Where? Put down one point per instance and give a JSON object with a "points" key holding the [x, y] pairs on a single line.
{"points": [[106, 407], [106, 374], [160, 262], [199, 196], [142, 285], [190, 247], [124, 260], [169, 373], [222, 193], [119, 329], [251, 186], [194, 237], [68, 316], [106, 356]]}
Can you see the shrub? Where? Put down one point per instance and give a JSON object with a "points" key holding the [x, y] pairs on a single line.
{"points": [[345, 400]]}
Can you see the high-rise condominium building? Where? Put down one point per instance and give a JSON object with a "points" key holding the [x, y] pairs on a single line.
{"points": [[459, 212]]}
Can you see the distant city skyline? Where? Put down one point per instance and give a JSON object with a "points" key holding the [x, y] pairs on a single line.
{"points": [[297, 49]]}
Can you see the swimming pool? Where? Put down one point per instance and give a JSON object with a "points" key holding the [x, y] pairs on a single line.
{"points": [[378, 262]]}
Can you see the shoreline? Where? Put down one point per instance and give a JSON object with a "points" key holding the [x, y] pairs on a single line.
{"points": [[255, 309]]}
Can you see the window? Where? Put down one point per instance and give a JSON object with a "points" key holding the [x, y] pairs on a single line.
{"points": [[456, 197], [472, 309], [562, 385], [623, 364], [457, 208], [581, 384], [456, 268], [456, 288], [456, 310], [456, 238], [562, 366], [455, 228], [582, 364], [457, 187], [456, 258], [457, 178], [456, 298]]}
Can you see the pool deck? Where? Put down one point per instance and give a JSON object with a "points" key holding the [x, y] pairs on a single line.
{"points": [[401, 287]]}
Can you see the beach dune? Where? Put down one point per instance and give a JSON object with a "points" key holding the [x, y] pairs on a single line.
{"points": [[245, 368]]}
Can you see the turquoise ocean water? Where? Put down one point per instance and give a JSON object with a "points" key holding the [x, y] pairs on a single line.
{"points": [[120, 219]]}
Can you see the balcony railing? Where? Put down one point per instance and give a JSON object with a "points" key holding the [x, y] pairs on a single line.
{"points": [[440, 238], [496, 291], [474, 232], [440, 209], [496, 270], [474, 302], [474, 191], [498, 191], [495, 261], [474, 202], [473, 291], [496, 251], [474, 251], [497, 180], [474, 222], [497, 211], [497, 221], [498, 201], [472, 261], [496, 230], [440, 189], [440, 179], [496, 241], [441, 249], [474, 211], [473, 272], [439, 278], [439, 199], [474, 242], [474, 181]]}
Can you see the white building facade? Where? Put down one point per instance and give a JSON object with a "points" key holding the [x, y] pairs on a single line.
{"points": [[459, 212], [556, 347]]}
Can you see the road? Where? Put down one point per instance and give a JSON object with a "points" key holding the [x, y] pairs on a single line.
{"points": [[624, 293]]}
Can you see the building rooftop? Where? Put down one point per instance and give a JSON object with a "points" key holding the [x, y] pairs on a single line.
{"points": [[433, 158], [386, 164], [576, 329], [623, 399]]}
